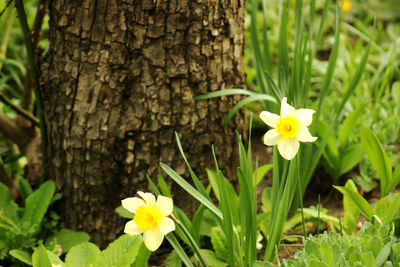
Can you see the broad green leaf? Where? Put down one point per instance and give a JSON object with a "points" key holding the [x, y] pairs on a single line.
{"points": [[40, 257], [24, 187], [37, 203], [351, 212], [172, 260], [266, 199], [124, 213], [350, 158], [120, 253], [360, 202], [143, 256], [218, 241], [383, 255], [67, 238], [378, 158], [326, 252], [82, 255], [55, 260], [211, 259], [21, 255], [7, 204], [262, 264]]}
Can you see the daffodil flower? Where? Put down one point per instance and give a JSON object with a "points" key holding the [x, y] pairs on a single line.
{"points": [[150, 218], [288, 129], [346, 5]]}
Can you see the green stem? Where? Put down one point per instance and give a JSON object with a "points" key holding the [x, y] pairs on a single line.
{"points": [[19, 110], [5, 33], [34, 75], [301, 196]]}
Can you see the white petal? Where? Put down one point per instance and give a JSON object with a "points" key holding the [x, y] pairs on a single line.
{"points": [[269, 118], [131, 228], [166, 225], [165, 205], [304, 116], [288, 148], [303, 135], [153, 239], [132, 203], [286, 109], [149, 198], [271, 138]]}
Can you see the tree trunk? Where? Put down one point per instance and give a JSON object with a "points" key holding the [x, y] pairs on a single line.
{"points": [[118, 80]]}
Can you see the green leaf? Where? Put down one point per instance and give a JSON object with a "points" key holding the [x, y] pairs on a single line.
{"points": [[262, 264], [120, 253], [172, 260], [395, 178], [326, 252], [348, 125], [7, 204], [378, 158], [142, 257], [261, 172], [266, 199], [24, 187], [67, 238], [234, 199], [179, 250], [243, 102], [322, 215], [394, 208], [55, 260], [191, 190], [211, 259], [357, 199], [82, 255], [350, 158], [381, 208], [37, 203], [224, 92], [21, 255], [40, 257], [383, 255], [351, 212], [124, 213], [218, 240], [163, 186]]}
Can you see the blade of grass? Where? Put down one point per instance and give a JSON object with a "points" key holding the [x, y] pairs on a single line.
{"points": [[256, 97], [191, 190], [225, 92]]}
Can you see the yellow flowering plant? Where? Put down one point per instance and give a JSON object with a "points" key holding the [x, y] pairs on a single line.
{"points": [[288, 129], [150, 218]]}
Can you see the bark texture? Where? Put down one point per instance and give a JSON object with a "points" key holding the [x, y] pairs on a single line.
{"points": [[118, 80]]}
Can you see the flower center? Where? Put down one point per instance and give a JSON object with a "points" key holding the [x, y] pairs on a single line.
{"points": [[147, 217], [287, 127]]}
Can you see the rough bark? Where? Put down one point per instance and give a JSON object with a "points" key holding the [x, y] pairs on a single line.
{"points": [[118, 80]]}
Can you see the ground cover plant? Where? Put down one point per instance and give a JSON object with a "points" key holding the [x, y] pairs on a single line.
{"points": [[323, 89]]}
